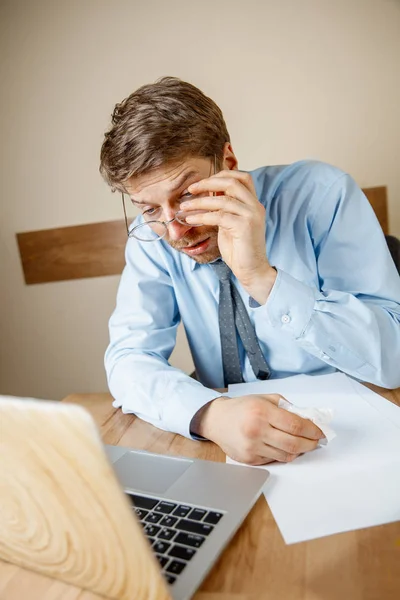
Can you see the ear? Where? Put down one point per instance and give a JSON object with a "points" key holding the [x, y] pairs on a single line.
{"points": [[229, 161]]}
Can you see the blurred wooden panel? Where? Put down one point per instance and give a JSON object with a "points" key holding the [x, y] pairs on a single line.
{"points": [[75, 252], [377, 197], [63, 513], [97, 249]]}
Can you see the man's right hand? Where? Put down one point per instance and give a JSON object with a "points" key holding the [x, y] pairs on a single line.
{"points": [[254, 430]]}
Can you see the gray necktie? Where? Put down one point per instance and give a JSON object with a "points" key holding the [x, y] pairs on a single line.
{"points": [[233, 315]]}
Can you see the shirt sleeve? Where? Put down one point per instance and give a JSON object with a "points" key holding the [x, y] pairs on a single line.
{"points": [[143, 331], [351, 318]]}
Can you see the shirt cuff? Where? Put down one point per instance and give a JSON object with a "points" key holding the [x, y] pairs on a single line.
{"points": [[190, 397], [289, 306]]}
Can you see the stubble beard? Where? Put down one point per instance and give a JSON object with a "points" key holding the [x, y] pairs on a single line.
{"points": [[194, 236]]}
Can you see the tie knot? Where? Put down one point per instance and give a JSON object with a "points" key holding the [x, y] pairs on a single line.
{"points": [[221, 269]]}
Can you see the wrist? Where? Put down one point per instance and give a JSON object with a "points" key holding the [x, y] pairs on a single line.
{"points": [[205, 420], [260, 284]]}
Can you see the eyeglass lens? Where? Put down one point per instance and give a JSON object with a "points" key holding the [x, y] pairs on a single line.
{"points": [[153, 230]]}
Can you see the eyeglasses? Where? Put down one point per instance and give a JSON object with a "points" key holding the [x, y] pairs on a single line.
{"points": [[154, 230]]}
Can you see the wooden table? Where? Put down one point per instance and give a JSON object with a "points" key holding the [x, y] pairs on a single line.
{"points": [[359, 565]]}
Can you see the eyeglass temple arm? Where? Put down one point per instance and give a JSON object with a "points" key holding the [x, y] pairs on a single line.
{"points": [[126, 218], [215, 171]]}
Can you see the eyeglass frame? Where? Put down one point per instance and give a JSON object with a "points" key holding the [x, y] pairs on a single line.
{"points": [[164, 223]]}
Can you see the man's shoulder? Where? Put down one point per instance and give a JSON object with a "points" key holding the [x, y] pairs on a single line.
{"points": [[301, 178]]}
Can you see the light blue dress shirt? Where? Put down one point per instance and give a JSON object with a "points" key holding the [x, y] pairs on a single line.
{"points": [[335, 304]]}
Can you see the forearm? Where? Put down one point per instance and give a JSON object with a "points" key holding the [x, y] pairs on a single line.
{"points": [[149, 387], [358, 336]]}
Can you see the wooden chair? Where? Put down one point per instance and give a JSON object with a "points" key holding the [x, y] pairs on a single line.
{"points": [[97, 249]]}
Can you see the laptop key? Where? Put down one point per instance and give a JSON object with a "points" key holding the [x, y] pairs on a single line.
{"points": [[161, 547], [189, 539], [142, 501], [213, 518], [165, 507], [197, 514], [182, 510], [166, 534], [193, 527], [176, 567], [182, 552], [153, 517], [170, 578], [141, 513], [162, 560], [151, 530], [168, 521]]}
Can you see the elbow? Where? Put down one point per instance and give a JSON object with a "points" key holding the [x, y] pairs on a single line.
{"points": [[388, 378], [391, 383], [390, 369], [385, 373]]}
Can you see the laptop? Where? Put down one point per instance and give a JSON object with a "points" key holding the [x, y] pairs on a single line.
{"points": [[119, 522]]}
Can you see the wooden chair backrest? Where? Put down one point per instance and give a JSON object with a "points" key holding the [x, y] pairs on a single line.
{"points": [[63, 513], [97, 249], [75, 252], [377, 197]]}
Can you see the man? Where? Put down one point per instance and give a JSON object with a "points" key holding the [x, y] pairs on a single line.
{"points": [[281, 271]]}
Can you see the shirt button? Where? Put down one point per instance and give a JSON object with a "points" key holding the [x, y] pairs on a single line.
{"points": [[325, 356], [285, 319]]}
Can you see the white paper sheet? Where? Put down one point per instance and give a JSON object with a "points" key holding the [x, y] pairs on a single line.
{"points": [[351, 483]]}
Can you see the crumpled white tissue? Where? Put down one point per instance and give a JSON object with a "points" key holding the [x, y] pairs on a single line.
{"points": [[320, 416]]}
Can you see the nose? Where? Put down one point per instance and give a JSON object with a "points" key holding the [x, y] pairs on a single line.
{"points": [[176, 230]]}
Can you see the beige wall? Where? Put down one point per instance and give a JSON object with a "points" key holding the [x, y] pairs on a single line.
{"points": [[295, 79]]}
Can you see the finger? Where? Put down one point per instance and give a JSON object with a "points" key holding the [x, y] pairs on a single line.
{"points": [[242, 176], [230, 186], [213, 203], [256, 461], [252, 459], [216, 219], [289, 443], [264, 455], [295, 425], [271, 453]]}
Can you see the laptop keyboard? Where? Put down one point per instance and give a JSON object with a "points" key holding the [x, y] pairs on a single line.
{"points": [[175, 531]]}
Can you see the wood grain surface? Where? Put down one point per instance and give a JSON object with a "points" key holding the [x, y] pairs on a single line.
{"points": [[75, 252], [357, 565], [377, 197], [62, 511]]}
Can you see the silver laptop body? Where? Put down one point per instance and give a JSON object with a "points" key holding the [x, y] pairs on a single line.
{"points": [[189, 508]]}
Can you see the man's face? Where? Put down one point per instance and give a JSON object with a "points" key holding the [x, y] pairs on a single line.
{"points": [[158, 196]]}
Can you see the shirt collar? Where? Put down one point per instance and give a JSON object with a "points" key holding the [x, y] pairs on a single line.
{"points": [[194, 264]]}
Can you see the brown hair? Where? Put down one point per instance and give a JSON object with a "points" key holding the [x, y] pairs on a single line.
{"points": [[160, 123]]}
